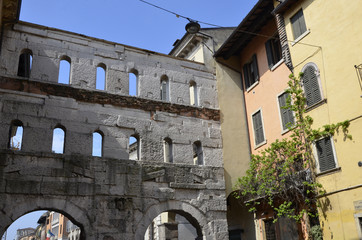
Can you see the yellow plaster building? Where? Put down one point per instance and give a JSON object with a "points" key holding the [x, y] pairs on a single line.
{"points": [[325, 42]]}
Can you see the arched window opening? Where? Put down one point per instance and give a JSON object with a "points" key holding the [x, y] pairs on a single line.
{"points": [[167, 150], [164, 88], [64, 70], [193, 94], [133, 83], [172, 225], [97, 150], [16, 135], [25, 63], [198, 154], [58, 140], [42, 224], [134, 148], [101, 77]]}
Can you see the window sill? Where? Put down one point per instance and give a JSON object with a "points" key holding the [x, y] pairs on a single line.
{"points": [[287, 130], [321, 102], [252, 86], [328, 172], [277, 64], [260, 144], [300, 37]]}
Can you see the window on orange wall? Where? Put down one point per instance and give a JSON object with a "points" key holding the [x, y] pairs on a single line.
{"points": [[251, 72], [273, 51], [259, 137]]}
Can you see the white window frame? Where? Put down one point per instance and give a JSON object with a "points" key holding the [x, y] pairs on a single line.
{"points": [[358, 225], [318, 74], [315, 155], [280, 115], [252, 124]]}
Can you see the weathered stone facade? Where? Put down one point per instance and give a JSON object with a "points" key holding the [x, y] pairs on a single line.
{"points": [[109, 197]]}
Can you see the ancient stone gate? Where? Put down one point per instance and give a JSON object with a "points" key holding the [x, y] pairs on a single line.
{"points": [[109, 197]]}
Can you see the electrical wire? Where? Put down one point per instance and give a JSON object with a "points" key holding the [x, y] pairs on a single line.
{"points": [[178, 15], [243, 31]]}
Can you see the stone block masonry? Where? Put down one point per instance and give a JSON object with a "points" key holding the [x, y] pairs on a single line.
{"points": [[109, 197]]}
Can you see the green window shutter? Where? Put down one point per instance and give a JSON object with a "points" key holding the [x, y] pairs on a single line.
{"points": [[311, 86], [269, 53], [287, 115], [325, 154], [254, 64], [315, 86], [246, 76], [258, 128], [298, 24], [301, 22]]}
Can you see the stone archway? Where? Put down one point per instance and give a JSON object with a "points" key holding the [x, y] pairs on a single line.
{"points": [[192, 214], [16, 208]]}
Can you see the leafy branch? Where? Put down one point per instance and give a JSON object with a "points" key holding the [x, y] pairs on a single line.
{"points": [[282, 176]]}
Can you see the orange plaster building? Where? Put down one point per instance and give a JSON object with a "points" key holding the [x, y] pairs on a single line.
{"points": [[258, 51]]}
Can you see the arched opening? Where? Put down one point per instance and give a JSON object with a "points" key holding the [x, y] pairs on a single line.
{"points": [[168, 150], [133, 82], [198, 153], [43, 224], [97, 149], [173, 225], [101, 77], [193, 93], [134, 148], [164, 88], [64, 70], [16, 135], [25, 63], [58, 140]]}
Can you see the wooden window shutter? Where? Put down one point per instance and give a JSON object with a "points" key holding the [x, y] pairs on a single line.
{"points": [[325, 154], [269, 53], [255, 68], [286, 114], [311, 86], [315, 86], [246, 76], [258, 128]]}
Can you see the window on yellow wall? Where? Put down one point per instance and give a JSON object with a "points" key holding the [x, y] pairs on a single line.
{"points": [[325, 154], [311, 86], [298, 24]]}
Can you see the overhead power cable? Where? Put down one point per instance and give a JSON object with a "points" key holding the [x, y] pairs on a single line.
{"points": [[179, 15], [239, 30]]}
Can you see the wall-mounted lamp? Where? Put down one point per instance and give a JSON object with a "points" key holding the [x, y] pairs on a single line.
{"points": [[192, 27]]}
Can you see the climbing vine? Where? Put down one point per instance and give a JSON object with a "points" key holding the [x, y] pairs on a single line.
{"points": [[283, 175]]}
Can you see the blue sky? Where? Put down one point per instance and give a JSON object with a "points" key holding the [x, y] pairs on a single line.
{"points": [[133, 22], [129, 22]]}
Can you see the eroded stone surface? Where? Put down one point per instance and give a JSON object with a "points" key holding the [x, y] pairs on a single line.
{"points": [[109, 197]]}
